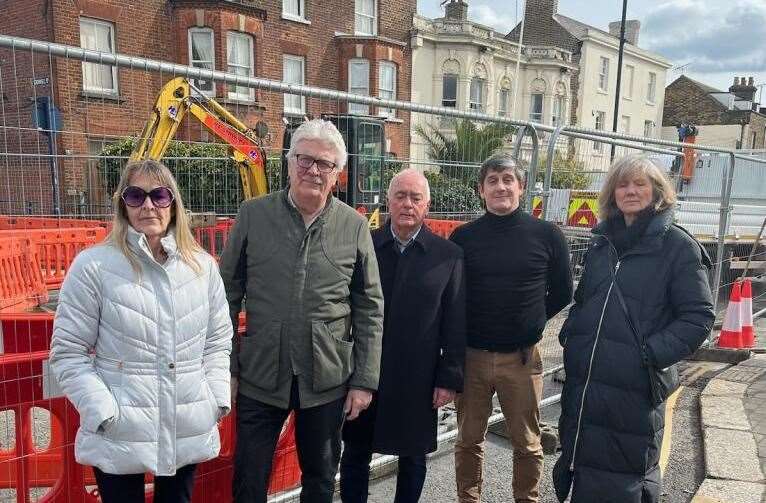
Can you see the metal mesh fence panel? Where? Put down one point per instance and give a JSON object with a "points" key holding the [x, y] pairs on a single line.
{"points": [[65, 140]]}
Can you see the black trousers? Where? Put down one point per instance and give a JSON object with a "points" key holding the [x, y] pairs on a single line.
{"points": [[130, 488], [355, 475], [317, 438]]}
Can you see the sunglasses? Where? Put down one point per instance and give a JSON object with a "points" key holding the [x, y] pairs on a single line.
{"points": [[306, 161], [135, 197]]}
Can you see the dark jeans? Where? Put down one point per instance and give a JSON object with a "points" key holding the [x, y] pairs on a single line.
{"points": [[355, 475], [317, 438], [130, 488]]}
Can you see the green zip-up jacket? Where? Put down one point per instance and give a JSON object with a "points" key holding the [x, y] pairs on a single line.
{"points": [[313, 301]]}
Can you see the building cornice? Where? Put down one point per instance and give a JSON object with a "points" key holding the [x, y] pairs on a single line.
{"points": [[462, 32]]}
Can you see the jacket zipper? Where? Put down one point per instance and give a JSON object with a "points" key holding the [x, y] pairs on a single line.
{"points": [[590, 365]]}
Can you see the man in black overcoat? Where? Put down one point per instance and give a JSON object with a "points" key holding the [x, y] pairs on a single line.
{"points": [[423, 345]]}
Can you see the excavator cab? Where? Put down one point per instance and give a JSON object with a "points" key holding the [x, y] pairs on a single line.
{"points": [[360, 182]]}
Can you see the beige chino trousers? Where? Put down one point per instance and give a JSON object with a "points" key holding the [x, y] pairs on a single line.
{"points": [[519, 388]]}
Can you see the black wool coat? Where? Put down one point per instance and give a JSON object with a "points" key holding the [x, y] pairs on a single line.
{"points": [[611, 433], [423, 343]]}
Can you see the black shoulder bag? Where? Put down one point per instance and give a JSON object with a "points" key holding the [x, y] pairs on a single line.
{"points": [[662, 382]]}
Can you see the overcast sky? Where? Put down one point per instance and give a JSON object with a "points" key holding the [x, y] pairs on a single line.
{"points": [[718, 39]]}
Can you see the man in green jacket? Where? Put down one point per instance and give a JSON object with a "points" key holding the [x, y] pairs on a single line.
{"points": [[305, 265]]}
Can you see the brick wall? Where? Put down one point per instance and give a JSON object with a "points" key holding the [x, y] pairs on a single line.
{"points": [[540, 28], [686, 102], [157, 29], [25, 182]]}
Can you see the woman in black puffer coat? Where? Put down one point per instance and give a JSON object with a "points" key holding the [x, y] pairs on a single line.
{"points": [[610, 426]]}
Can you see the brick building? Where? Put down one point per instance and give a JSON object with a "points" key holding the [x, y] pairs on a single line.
{"points": [[730, 119], [306, 42]]}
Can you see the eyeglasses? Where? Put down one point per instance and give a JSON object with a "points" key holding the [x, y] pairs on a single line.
{"points": [[135, 197], [306, 161]]}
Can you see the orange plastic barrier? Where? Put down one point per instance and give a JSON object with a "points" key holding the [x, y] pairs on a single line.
{"points": [[8, 222], [213, 238], [443, 228], [25, 385], [56, 248], [21, 281]]}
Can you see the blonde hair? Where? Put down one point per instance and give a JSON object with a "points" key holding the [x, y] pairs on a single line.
{"points": [[663, 193], [118, 237]]}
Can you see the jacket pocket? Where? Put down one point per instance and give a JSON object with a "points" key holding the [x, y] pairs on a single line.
{"points": [[333, 356], [212, 402], [111, 372], [259, 356]]}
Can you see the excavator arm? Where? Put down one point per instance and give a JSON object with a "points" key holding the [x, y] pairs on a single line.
{"points": [[173, 103]]}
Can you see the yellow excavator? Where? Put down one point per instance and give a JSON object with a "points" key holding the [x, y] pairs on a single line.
{"points": [[364, 136], [174, 101]]}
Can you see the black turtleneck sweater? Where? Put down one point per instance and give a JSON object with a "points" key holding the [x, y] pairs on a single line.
{"points": [[517, 276]]}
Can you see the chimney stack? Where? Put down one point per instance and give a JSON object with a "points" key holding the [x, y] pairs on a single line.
{"points": [[744, 88], [456, 10], [541, 9], [632, 29]]}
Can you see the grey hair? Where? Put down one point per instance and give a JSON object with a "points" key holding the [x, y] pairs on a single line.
{"points": [[664, 195], [409, 171], [500, 162], [323, 131]]}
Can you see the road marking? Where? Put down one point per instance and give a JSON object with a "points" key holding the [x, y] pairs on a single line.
{"points": [[670, 407]]}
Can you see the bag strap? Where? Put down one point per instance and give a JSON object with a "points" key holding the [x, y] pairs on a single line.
{"points": [[624, 306]]}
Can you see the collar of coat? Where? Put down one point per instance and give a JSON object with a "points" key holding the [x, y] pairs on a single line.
{"points": [[140, 245], [652, 238], [385, 237]]}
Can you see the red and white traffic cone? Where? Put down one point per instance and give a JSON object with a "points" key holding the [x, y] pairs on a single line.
{"points": [[731, 332], [748, 336]]}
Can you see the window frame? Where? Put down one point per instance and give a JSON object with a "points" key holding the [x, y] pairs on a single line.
{"points": [[649, 128], [374, 18], [558, 114], [115, 89], [603, 74], [533, 115], [599, 125], [651, 88], [190, 32], [286, 96], [477, 106], [454, 99], [235, 95], [625, 121], [385, 111], [631, 71], [502, 109], [357, 108], [301, 16]]}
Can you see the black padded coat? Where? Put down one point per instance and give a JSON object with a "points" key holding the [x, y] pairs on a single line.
{"points": [[611, 432]]}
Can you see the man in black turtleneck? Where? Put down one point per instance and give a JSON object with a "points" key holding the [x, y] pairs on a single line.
{"points": [[518, 277]]}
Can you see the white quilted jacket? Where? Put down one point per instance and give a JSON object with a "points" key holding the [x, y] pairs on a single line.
{"points": [[144, 359]]}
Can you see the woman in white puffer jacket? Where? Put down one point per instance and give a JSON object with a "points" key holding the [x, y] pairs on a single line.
{"points": [[141, 344]]}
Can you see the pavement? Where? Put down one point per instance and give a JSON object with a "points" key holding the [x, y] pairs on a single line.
{"points": [[733, 422]]}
